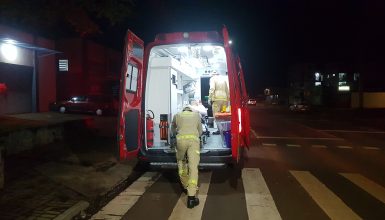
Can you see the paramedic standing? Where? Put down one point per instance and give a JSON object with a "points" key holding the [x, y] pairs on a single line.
{"points": [[187, 127], [218, 94]]}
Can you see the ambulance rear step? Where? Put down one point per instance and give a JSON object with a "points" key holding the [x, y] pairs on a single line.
{"points": [[174, 165]]}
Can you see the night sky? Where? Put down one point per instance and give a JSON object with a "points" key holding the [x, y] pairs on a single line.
{"points": [[270, 36]]}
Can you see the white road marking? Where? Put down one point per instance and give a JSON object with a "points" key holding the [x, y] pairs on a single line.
{"points": [[300, 138], [366, 184], [181, 211], [260, 204], [371, 148], [126, 199], [330, 203], [345, 147], [318, 146], [254, 133], [268, 144], [349, 131], [293, 145]]}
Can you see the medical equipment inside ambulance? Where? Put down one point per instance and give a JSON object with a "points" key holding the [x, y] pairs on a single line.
{"points": [[178, 74]]}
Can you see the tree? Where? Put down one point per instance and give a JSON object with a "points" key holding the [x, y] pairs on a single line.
{"points": [[57, 17]]}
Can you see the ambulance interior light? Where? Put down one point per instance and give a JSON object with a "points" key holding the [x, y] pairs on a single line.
{"points": [[208, 48], [183, 49]]}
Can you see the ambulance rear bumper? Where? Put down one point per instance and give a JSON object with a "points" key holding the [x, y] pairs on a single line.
{"points": [[167, 159]]}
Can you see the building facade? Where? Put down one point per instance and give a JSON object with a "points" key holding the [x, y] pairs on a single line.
{"points": [[35, 71], [328, 85], [27, 72], [92, 69]]}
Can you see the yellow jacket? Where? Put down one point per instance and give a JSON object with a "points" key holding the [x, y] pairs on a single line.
{"points": [[187, 124], [218, 88]]}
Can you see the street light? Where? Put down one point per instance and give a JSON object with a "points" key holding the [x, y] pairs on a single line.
{"points": [[9, 51]]}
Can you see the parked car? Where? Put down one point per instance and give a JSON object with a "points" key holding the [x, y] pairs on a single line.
{"points": [[252, 102], [98, 105], [299, 107]]}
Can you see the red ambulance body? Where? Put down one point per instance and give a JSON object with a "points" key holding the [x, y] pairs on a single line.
{"points": [[158, 80]]}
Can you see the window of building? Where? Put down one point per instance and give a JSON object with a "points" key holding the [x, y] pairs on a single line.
{"points": [[317, 76], [342, 76], [63, 65], [343, 88], [356, 76]]}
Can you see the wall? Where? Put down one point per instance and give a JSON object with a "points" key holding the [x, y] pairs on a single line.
{"points": [[370, 100], [46, 70], [72, 82], [46, 77], [93, 68]]}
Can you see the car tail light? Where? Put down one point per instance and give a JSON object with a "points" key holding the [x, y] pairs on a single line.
{"points": [[239, 119]]}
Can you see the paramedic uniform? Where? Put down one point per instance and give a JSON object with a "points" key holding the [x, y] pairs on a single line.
{"points": [[218, 93], [187, 126]]}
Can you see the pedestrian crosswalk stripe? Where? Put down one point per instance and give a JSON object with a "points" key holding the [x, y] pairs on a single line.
{"points": [[330, 203], [318, 146], [344, 147], [366, 184], [352, 131], [371, 148], [293, 145], [126, 199], [182, 212], [260, 204], [301, 138], [268, 144]]}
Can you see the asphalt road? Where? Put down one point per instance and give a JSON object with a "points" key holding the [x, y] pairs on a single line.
{"points": [[299, 166]]}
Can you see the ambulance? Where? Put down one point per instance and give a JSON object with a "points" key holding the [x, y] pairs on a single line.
{"points": [[158, 80]]}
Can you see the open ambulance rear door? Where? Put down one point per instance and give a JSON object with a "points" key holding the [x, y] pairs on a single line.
{"points": [[130, 102], [240, 126], [245, 117]]}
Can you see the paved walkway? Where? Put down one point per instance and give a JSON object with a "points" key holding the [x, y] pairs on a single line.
{"points": [[53, 180]]}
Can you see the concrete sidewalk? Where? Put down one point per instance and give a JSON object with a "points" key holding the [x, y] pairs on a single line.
{"points": [[59, 179]]}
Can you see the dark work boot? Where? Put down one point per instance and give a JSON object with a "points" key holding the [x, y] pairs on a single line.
{"points": [[192, 201]]}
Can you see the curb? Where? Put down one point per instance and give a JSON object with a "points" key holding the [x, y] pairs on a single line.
{"points": [[73, 211]]}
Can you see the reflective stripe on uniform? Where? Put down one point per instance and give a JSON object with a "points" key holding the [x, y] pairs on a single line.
{"points": [[216, 99], [186, 136], [192, 182], [220, 98], [182, 172]]}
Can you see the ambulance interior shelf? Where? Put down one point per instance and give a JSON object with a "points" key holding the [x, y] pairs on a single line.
{"points": [[167, 87]]}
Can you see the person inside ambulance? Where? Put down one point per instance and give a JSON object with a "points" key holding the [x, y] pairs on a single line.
{"points": [[187, 127], [218, 94], [196, 106]]}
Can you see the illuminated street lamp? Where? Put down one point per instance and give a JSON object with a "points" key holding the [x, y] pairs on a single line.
{"points": [[9, 51]]}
